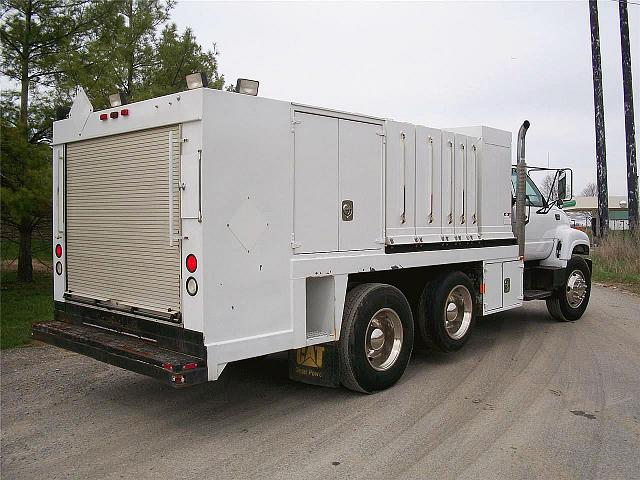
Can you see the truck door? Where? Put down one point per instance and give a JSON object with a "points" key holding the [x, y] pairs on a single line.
{"points": [[541, 227]]}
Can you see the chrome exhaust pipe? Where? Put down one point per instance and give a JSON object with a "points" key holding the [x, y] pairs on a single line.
{"points": [[521, 174]]}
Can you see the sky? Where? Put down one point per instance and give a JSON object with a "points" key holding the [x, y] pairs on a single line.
{"points": [[439, 64]]}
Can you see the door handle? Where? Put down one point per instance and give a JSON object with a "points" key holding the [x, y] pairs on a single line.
{"points": [[347, 210]]}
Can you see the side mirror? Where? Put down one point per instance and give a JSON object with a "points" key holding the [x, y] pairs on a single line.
{"points": [[565, 192], [562, 185]]}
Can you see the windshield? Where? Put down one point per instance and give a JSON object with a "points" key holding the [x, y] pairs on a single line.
{"points": [[534, 197]]}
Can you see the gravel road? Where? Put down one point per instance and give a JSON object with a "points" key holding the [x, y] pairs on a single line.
{"points": [[526, 398]]}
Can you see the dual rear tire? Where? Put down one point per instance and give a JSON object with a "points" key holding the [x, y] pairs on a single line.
{"points": [[376, 337], [446, 312], [377, 332]]}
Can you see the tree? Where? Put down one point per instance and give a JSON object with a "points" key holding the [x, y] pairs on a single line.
{"points": [[591, 190], [50, 47], [129, 56], [549, 186], [36, 36]]}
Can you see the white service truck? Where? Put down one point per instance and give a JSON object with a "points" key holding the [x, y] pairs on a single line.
{"points": [[205, 227]]}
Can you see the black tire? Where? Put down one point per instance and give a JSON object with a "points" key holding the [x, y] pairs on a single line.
{"points": [[431, 311], [558, 305], [361, 304]]}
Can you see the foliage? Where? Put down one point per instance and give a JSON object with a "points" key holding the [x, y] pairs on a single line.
{"points": [[549, 186], [25, 191], [590, 190], [128, 55], [617, 259], [51, 46]]}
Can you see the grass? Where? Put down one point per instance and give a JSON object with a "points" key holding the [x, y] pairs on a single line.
{"points": [[617, 260], [23, 304]]}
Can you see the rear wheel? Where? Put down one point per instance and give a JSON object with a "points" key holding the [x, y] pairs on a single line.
{"points": [[446, 311], [376, 337], [569, 302]]}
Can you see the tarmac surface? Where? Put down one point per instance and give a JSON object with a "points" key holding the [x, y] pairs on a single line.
{"points": [[527, 397]]}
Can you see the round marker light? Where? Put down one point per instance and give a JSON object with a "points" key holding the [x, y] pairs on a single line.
{"points": [[192, 263], [58, 250], [59, 268], [192, 286]]}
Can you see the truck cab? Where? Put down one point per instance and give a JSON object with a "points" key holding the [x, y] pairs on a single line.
{"points": [[555, 265]]}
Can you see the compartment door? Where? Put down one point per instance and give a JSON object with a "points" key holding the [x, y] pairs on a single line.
{"points": [[428, 192], [512, 295], [447, 185], [492, 280], [471, 199], [400, 180], [360, 174], [315, 183], [460, 184]]}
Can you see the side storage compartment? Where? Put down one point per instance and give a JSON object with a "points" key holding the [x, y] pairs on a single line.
{"points": [[471, 192], [400, 182], [316, 183], [512, 282], [502, 285], [448, 185], [492, 288], [337, 184], [428, 184]]}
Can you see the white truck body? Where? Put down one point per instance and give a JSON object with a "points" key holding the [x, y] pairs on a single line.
{"points": [[280, 203]]}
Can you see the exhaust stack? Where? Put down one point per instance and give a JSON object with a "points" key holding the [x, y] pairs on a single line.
{"points": [[521, 174]]}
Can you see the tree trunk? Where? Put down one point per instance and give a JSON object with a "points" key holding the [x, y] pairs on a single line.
{"points": [[24, 71], [25, 261]]}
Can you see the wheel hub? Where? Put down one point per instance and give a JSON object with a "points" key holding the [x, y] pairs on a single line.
{"points": [[457, 312], [383, 340], [576, 289]]}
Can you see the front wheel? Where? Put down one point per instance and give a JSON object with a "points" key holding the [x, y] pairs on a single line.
{"points": [[570, 301]]}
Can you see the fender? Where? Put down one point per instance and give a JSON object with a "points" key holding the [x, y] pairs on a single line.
{"points": [[567, 239]]}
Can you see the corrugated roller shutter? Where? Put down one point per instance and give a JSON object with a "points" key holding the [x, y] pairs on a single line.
{"points": [[117, 225]]}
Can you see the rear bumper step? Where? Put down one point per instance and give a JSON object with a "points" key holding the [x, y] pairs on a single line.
{"points": [[126, 351]]}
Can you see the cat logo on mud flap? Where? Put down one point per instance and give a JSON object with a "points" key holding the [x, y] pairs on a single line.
{"points": [[310, 356]]}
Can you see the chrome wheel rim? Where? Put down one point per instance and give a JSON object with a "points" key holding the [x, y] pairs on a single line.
{"points": [[576, 289], [383, 340], [457, 312]]}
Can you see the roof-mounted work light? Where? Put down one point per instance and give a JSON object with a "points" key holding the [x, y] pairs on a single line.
{"points": [[118, 99], [196, 80], [247, 87]]}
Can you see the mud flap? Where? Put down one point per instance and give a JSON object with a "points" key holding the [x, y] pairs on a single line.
{"points": [[316, 365]]}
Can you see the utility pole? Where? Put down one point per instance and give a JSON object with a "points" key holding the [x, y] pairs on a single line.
{"points": [[598, 103], [629, 126]]}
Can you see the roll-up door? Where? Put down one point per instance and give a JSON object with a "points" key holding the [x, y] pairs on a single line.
{"points": [[122, 230]]}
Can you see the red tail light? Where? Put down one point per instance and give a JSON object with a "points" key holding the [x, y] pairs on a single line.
{"points": [[103, 116], [192, 263], [113, 114], [124, 112], [58, 250]]}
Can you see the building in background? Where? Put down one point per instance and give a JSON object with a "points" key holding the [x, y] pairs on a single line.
{"points": [[585, 211]]}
